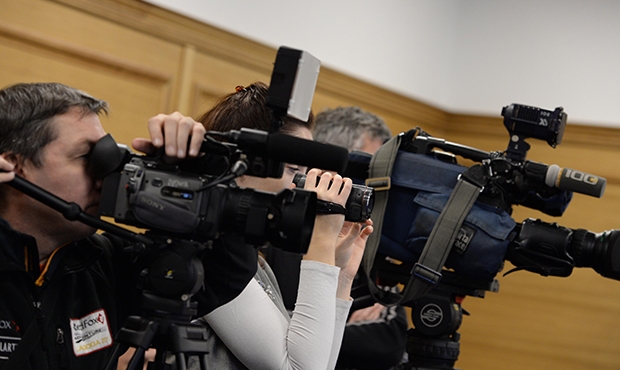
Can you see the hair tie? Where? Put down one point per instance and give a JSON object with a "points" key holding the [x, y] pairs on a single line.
{"points": [[239, 88]]}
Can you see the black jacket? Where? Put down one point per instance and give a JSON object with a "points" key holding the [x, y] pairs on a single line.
{"points": [[73, 302]]}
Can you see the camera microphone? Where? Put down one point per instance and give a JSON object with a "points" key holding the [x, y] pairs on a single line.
{"points": [[566, 179], [573, 180], [290, 149]]}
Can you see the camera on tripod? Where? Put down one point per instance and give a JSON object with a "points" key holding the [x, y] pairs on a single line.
{"points": [[422, 179]]}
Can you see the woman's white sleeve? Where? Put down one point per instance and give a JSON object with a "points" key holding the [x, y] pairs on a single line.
{"points": [[259, 335], [342, 313]]}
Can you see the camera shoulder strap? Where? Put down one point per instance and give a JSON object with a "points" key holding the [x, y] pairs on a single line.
{"points": [[379, 178], [426, 272]]}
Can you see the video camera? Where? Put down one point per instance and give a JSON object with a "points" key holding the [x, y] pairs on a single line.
{"points": [[198, 199], [359, 203], [170, 201], [422, 179], [444, 230]]}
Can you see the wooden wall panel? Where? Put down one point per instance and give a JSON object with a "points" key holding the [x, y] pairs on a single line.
{"points": [[213, 77], [145, 60], [49, 42]]}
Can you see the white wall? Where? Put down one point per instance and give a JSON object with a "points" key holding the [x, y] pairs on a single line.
{"points": [[542, 52], [468, 56]]}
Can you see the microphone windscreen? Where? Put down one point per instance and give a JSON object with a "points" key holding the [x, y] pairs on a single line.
{"points": [[577, 181], [291, 149]]}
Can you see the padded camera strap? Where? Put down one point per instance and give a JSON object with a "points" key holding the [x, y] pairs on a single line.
{"points": [[379, 178], [426, 272]]}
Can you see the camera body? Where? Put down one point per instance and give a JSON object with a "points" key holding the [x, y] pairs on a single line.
{"points": [[360, 202], [167, 200], [149, 194]]}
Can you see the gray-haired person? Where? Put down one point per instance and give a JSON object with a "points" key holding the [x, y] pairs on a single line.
{"points": [[352, 128]]}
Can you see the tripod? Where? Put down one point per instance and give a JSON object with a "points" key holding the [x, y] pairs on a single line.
{"points": [[172, 277], [168, 330], [433, 343]]}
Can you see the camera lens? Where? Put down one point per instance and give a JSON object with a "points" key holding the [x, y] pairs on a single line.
{"points": [[600, 251]]}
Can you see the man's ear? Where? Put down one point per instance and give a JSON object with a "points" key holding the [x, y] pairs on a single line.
{"points": [[16, 161]]}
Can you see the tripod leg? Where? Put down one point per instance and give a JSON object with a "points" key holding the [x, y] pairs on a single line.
{"points": [[118, 350], [138, 333], [189, 340]]}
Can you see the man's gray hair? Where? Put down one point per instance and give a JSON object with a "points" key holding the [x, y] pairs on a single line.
{"points": [[348, 127], [27, 111]]}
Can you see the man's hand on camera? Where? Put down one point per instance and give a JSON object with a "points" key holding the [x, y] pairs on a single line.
{"points": [[180, 136]]}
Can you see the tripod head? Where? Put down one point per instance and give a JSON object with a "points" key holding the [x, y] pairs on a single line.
{"points": [[433, 343], [174, 273]]}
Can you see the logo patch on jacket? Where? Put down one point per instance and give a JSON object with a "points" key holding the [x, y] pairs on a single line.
{"points": [[7, 346], [9, 338], [90, 333]]}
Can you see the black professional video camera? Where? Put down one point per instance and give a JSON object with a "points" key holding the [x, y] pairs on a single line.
{"points": [[169, 201], [444, 230], [198, 199]]}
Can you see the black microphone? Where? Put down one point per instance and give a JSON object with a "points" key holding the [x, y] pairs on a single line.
{"points": [[287, 148], [573, 180]]}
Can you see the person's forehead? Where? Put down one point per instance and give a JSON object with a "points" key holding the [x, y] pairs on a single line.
{"points": [[78, 126]]}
